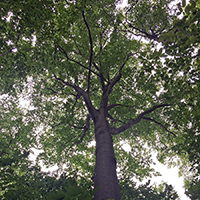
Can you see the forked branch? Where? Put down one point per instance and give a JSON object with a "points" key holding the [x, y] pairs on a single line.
{"points": [[76, 88], [118, 77], [102, 79], [113, 119], [131, 122], [75, 61], [81, 92], [152, 36]]}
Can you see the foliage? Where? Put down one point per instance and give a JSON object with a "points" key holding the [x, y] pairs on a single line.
{"points": [[73, 59], [15, 141], [147, 191], [182, 44], [192, 188], [34, 184]]}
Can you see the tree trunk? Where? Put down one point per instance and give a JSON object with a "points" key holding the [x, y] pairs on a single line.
{"points": [[105, 169]]}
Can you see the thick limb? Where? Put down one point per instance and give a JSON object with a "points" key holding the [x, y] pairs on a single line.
{"points": [[131, 122], [81, 92]]}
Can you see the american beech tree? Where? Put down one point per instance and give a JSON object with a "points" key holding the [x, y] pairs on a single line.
{"points": [[92, 71]]}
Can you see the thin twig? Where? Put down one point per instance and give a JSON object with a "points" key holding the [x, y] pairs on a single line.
{"points": [[10, 50], [113, 119], [118, 77], [102, 79], [114, 105], [161, 125], [57, 125]]}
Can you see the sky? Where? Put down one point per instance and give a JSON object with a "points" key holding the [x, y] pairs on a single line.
{"points": [[169, 175]]}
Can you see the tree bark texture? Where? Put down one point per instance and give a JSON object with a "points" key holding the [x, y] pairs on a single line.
{"points": [[105, 175]]}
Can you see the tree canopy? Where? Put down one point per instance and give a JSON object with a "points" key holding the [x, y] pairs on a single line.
{"points": [[92, 71]]}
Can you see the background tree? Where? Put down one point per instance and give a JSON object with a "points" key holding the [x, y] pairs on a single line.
{"points": [[15, 142], [90, 75], [185, 39], [192, 186], [34, 184], [129, 190]]}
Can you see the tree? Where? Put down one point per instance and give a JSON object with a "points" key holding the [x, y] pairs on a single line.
{"points": [[129, 190], [14, 146], [34, 184], [192, 188], [89, 75], [183, 43]]}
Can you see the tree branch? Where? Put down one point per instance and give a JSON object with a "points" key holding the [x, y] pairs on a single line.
{"points": [[117, 79], [101, 48], [145, 34], [131, 122], [161, 125], [101, 36], [102, 79], [86, 127], [108, 88], [57, 125], [81, 92], [91, 49], [131, 8], [65, 53], [76, 88], [10, 50], [79, 51], [113, 119]]}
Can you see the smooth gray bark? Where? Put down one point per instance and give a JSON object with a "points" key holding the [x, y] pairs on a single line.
{"points": [[105, 169]]}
